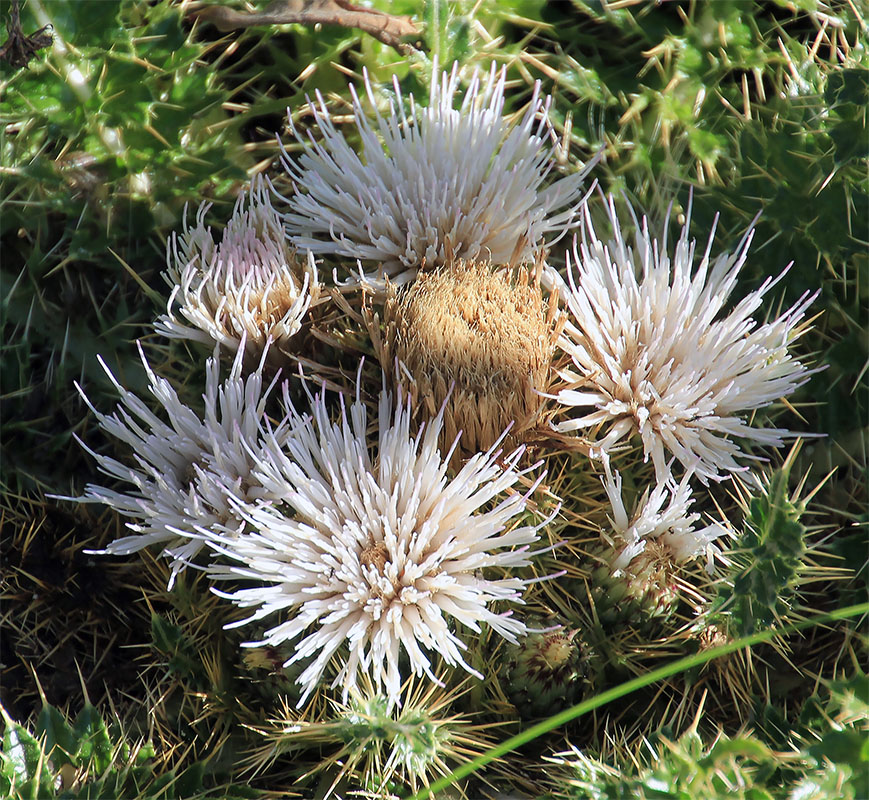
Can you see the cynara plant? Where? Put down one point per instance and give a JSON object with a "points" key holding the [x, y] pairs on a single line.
{"points": [[544, 477]]}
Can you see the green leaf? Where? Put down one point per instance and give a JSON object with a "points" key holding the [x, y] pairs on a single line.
{"points": [[842, 747], [833, 781], [165, 635], [847, 91], [435, 17], [851, 140], [61, 743], [459, 37], [87, 23], [743, 746], [163, 787], [189, 782], [24, 763], [145, 754], [95, 745]]}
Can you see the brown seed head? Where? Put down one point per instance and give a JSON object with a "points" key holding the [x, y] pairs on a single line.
{"points": [[485, 329]]}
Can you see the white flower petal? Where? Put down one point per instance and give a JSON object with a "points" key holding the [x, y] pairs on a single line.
{"points": [[433, 181], [246, 286], [662, 513], [376, 553], [654, 354], [190, 469]]}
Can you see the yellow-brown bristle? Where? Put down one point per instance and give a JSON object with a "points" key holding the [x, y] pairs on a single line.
{"points": [[486, 330]]}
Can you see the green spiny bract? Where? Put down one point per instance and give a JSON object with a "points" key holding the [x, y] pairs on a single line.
{"points": [[769, 560], [381, 747], [543, 672], [638, 594], [86, 758], [412, 737]]}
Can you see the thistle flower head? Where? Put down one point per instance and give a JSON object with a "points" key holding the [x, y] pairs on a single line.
{"points": [[636, 580], [543, 671], [185, 469], [660, 516], [655, 352], [431, 180], [480, 339], [247, 286], [372, 554]]}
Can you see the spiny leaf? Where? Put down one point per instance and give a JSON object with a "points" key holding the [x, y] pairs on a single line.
{"points": [[171, 639], [61, 742], [94, 743], [189, 782], [767, 562], [24, 764]]}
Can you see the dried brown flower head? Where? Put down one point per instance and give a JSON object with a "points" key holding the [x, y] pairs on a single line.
{"points": [[484, 330]]}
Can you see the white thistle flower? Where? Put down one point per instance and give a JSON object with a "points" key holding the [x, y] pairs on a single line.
{"points": [[248, 285], [185, 469], [432, 183], [661, 515], [654, 352], [377, 554]]}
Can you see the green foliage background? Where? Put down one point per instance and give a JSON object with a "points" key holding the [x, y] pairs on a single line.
{"points": [[732, 107]]}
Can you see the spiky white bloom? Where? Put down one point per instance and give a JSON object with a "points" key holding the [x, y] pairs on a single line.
{"points": [[377, 553], [248, 285], [670, 524], [655, 352], [431, 182], [185, 469]]}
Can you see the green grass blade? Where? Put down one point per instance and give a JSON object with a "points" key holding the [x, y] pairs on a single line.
{"points": [[631, 686]]}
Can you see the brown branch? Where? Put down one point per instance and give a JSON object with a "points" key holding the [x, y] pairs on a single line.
{"points": [[387, 28]]}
